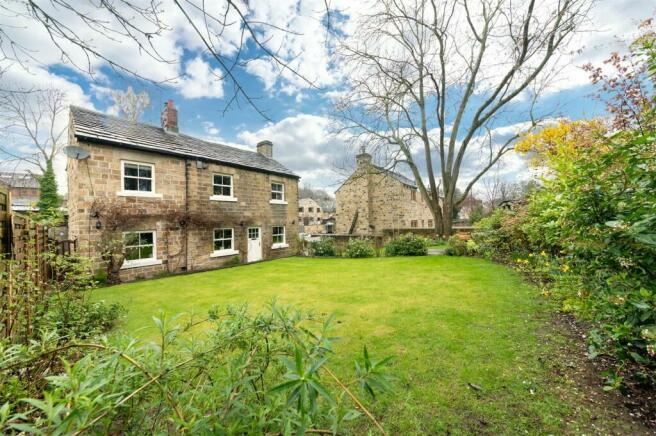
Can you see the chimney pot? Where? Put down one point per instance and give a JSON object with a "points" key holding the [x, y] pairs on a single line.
{"points": [[265, 148], [363, 159], [170, 117]]}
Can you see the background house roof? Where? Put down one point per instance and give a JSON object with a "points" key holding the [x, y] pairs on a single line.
{"points": [[96, 127], [388, 173], [19, 180], [400, 177]]}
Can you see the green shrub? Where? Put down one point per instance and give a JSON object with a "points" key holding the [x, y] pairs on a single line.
{"points": [[407, 245], [588, 238], [253, 373], [360, 248], [71, 316], [324, 247], [456, 246], [500, 237]]}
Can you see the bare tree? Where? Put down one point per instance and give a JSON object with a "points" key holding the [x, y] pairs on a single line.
{"points": [[130, 104], [496, 191], [33, 125], [321, 196], [430, 80], [75, 31]]}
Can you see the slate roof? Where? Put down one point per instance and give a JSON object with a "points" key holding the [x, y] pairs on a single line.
{"points": [[400, 177], [389, 173], [19, 180], [96, 127]]}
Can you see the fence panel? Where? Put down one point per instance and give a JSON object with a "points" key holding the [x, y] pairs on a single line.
{"points": [[26, 274]]}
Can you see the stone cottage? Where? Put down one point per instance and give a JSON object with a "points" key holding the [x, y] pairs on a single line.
{"points": [[24, 189], [313, 218], [374, 200], [174, 202]]}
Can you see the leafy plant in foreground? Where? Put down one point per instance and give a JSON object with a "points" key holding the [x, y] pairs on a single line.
{"points": [[264, 373]]}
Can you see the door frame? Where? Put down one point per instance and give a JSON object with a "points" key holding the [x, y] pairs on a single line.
{"points": [[248, 239]]}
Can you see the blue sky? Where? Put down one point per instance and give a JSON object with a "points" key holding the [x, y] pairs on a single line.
{"points": [[299, 115]]}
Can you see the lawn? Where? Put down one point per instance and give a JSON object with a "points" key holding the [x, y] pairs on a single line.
{"points": [[449, 322]]}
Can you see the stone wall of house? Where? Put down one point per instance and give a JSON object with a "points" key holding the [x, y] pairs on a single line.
{"points": [[314, 218], [383, 202], [181, 246], [351, 198]]}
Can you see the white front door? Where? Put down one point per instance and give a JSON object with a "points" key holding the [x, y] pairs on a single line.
{"points": [[254, 244]]}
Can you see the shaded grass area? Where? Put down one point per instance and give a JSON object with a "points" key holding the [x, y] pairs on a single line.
{"points": [[450, 323]]}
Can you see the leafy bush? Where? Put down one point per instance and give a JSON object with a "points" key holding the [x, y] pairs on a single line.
{"points": [[360, 248], [499, 236], [72, 317], [456, 246], [265, 373], [323, 247], [588, 237], [407, 245]]}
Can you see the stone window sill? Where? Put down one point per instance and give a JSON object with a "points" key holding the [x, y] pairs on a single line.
{"points": [[140, 263], [138, 194], [277, 246], [222, 253], [277, 202], [223, 198]]}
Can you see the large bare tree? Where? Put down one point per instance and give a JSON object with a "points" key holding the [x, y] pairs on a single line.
{"points": [[429, 81], [130, 104], [33, 126], [76, 31]]}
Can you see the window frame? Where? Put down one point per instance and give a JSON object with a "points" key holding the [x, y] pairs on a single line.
{"points": [[282, 244], [414, 224], [280, 200], [130, 193], [221, 197], [148, 261], [225, 251]]}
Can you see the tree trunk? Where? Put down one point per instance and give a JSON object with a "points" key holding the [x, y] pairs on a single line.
{"points": [[114, 268], [447, 215]]}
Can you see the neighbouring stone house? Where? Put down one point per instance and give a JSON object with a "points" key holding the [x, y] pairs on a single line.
{"points": [[312, 218], [374, 200], [24, 189], [181, 203]]}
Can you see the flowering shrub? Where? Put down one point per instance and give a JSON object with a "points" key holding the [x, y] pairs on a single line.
{"points": [[589, 237], [407, 245], [360, 248], [323, 247]]}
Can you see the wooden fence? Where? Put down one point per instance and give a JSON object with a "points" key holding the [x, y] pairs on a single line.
{"points": [[25, 273]]}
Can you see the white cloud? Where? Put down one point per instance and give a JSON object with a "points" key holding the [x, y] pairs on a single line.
{"points": [[200, 80], [210, 128], [305, 144]]}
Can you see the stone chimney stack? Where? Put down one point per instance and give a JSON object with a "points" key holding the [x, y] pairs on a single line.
{"points": [[170, 117], [265, 148], [363, 159]]}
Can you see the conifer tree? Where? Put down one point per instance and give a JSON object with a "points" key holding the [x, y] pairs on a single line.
{"points": [[49, 200]]}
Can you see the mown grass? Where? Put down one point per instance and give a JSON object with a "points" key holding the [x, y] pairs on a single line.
{"points": [[449, 322]]}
